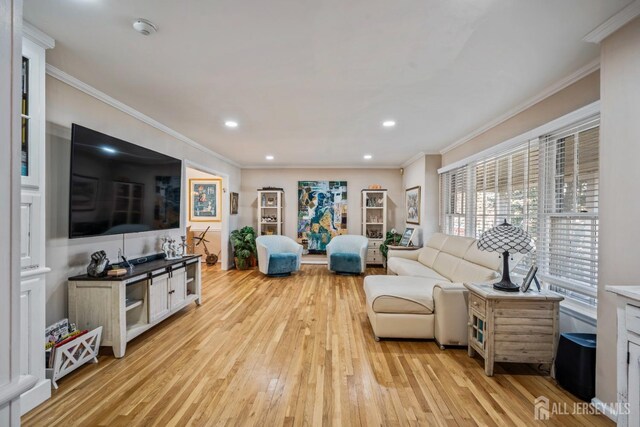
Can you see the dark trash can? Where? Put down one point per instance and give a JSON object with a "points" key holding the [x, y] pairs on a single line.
{"points": [[576, 364]]}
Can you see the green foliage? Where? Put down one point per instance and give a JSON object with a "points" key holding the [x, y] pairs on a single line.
{"points": [[392, 238], [244, 245]]}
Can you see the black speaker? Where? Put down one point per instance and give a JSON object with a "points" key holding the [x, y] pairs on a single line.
{"points": [[576, 365]]}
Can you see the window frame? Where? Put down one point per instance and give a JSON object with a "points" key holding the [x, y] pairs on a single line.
{"points": [[473, 164]]}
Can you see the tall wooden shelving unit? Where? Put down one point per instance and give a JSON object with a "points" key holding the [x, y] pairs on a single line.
{"points": [[270, 212], [374, 222]]}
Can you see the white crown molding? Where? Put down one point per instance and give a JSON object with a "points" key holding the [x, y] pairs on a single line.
{"points": [[549, 91], [413, 158], [614, 23], [37, 36], [323, 166], [101, 96], [568, 119]]}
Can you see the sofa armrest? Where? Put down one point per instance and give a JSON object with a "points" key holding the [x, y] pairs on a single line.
{"points": [[402, 253], [450, 301]]}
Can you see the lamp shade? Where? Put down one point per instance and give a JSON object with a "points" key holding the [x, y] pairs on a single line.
{"points": [[505, 238]]}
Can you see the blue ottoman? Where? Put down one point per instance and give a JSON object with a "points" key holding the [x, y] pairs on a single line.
{"points": [[345, 263], [282, 264]]}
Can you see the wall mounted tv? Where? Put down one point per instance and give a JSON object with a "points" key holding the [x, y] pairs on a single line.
{"points": [[117, 187]]}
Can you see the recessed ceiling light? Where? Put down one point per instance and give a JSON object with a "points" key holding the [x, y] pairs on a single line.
{"points": [[389, 123], [269, 157], [231, 124], [368, 156]]}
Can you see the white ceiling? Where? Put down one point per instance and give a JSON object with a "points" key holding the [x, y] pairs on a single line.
{"points": [[310, 81]]}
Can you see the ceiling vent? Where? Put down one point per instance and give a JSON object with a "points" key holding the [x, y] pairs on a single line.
{"points": [[144, 27]]}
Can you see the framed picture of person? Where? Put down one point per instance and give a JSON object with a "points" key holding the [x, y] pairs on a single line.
{"points": [[205, 201]]}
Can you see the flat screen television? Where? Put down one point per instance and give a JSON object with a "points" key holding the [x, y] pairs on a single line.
{"points": [[117, 187]]}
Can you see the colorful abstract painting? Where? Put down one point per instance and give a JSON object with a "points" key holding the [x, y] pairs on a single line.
{"points": [[322, 213]]}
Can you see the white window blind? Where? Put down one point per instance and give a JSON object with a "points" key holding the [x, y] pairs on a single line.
{"points": [[568, 242], [549, 187], [453, 201]]}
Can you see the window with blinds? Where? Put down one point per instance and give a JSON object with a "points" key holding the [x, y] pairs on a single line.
{"points": [[568, 242], [549, 187], [453, 200]]}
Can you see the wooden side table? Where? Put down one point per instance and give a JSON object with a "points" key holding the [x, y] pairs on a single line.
{"points": [[512, 327]]}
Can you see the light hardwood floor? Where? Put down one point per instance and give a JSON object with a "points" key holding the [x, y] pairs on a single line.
{"points": [[292, 351]]}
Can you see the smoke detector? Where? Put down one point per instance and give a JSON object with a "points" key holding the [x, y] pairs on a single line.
{"points": [[144, 27]]}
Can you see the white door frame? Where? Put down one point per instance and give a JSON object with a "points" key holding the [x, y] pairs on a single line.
{"points": [[12, 384], [226, 185]]}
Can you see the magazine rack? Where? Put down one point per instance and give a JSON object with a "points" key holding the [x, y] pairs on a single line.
{"points": [[70, 356]]}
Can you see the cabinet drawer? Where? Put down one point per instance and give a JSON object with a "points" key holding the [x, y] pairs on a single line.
{"points": [[632, 314], [374, 244], [478, 304]]}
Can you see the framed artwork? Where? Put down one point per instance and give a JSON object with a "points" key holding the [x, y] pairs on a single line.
{"points": [[205, 201], [322, 213], [530, 277], [407, 236], [233, 202], [412, 205], [84, 193]]}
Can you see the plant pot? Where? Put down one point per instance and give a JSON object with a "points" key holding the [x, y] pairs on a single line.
{"points": [[250, 262]]}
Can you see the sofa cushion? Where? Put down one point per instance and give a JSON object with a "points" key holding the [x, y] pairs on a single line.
{"points": [[344, 262], [437, 240], [408, 267], [467, 272], [457, 245], [398, 294], [427, 256], [446, 264], [490, 260], [282, 263]]}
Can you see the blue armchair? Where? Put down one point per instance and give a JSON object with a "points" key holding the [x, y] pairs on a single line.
{"points": [[347, 254], [278, 255]]}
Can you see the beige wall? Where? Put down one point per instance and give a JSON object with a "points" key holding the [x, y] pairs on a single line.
{"points": [[66, 257], [357, 179], [581, 93], [619, 177], [423, 172]]}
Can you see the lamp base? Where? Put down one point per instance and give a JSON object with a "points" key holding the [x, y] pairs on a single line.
{"points": [[506, 286]]}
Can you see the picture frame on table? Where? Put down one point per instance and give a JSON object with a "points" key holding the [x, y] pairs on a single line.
{"points": [[412, 205], [530, 277], [405, 240], [205, 200]]}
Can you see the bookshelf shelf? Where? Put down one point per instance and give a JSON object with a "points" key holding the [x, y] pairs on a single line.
{"points": [[131, 304]]}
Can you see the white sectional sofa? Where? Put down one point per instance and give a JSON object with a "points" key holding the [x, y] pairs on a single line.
{"points": [[423, 294]]}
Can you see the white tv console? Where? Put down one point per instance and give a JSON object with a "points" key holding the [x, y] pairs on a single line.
{"points": [[129, 305]]}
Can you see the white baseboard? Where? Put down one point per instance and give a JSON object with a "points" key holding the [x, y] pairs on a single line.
{"points": [[314, 262], [605, 409], [34, 397]]}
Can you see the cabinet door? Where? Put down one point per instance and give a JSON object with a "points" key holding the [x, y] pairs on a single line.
{"points": [[32, 302], [178, 287], [29, 231], [633, 384], [158, 297]]}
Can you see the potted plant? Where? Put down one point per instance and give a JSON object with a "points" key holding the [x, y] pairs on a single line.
{"points": [[392, 238], [244, 247]]}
